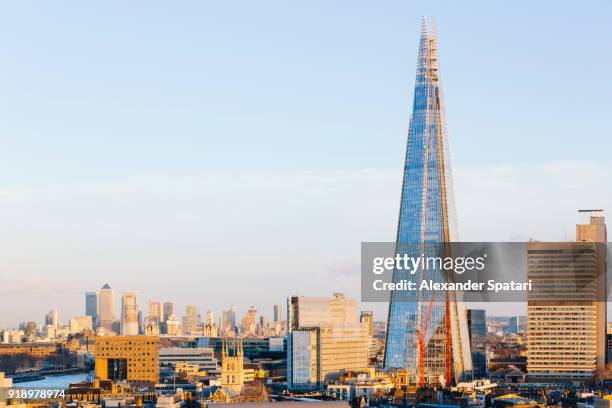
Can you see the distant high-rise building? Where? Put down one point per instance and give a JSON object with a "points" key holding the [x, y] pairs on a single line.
{"points": [[277, 313], [156, 312], [427, 332], [249, 323], [106, 307], [477, 327], [566, 318], [168, 310], [140, 323], [190, 319], [30, 329], [325, 338], [129, 315], [91, 307], [228, 322], [514, 325], [52, 318]]}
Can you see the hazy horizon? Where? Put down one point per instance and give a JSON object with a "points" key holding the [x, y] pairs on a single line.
{"points": [[218, 154]]}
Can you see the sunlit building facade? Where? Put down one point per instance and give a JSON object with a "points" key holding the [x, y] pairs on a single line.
{"points": [[325, 338], [129, 314], [127, 358], [106, 307], [566, 315]]}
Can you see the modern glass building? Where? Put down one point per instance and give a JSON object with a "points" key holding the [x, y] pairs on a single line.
{"points": [[477, 325], [427, 333], [91, 307]]}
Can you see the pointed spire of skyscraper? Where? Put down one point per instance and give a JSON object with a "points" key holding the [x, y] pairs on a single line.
{"points": [[423, 27]]}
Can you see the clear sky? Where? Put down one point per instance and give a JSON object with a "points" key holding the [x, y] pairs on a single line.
{"points": [[239, 152]]}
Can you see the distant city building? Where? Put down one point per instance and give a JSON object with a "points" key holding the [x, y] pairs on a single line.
{"points": [[127, 358], [514, 325], [566, 322], [228, 322], [325, 338], [168, 310], [190, 320], [249, 323], [140, 323], [173, 325], [80, 323], [52, 318], [477, 328], [129, 315], [30, 329], [11, 336], [91, 307], [106, 307], [277, 313], [156, 312]]}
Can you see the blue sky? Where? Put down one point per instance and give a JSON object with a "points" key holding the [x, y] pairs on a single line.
{"points": [[145, 138]]}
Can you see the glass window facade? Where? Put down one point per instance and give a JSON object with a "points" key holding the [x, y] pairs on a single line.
{"points": [[425, 336]]}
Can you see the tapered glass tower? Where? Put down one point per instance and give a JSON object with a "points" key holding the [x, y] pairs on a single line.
{"points": [[427, 333]]}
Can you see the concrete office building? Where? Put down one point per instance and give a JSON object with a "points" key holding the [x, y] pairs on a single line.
{"points": [[106, 307], [566, 316], [129, 315]]}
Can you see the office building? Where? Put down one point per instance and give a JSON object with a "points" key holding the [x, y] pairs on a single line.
{"points": [[566, 310], [514, 325], [80, 323], [52, 318], [277, 313], [325, 339], [129, 315], [249, 323], [91, 307], [168, 310], [204, 358], [191, 321], [156, 312], [106, 307], [127, 358], [477, 328], [427, 332]]}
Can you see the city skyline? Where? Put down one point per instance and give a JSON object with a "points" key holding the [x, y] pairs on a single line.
{"points": [[169, 184]]}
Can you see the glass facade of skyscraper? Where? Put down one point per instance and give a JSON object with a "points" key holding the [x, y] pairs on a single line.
{"points": [[426, 333]]}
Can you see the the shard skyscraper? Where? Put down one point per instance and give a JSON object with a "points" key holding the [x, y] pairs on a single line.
{"points": [[427, 333]]}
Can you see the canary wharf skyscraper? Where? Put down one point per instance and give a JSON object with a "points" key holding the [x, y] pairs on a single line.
{"points": [[427, 333]]}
